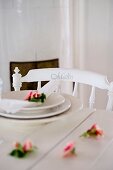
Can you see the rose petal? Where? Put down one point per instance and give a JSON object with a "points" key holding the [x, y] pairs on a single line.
{"points": [[27, 146], [16, 145], [28, 96]]}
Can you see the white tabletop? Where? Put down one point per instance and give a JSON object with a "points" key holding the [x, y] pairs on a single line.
{"points": [[51, 137], [91, 153]]}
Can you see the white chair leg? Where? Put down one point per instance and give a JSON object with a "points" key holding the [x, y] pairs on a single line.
{"points": [[110, 98], [92, 98]]}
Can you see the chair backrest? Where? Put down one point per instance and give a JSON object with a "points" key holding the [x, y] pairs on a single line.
{"points": [[77, 76]]}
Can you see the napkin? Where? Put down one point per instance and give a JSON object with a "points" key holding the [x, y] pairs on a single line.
{"points": [[12, 105]]}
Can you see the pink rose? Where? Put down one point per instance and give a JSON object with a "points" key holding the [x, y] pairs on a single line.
{"points": [[37, 95], [97, 129], [28, 96], [20, 150], [16, 145], [94, 131], [69, 149], [31, 95], [27, 146]]}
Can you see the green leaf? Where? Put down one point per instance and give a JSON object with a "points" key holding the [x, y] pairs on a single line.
{"points": [[17, 153], [73, 151], [35, 100], [39, 99], [85, 134]]}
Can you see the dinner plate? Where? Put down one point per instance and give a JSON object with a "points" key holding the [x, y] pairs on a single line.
{"points": [[52, 100], [50, 112]]}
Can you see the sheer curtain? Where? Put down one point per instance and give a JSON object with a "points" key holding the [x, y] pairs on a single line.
{"points": [[79, 32], [66, 49], [67, 39], [72, 33], [87, 38], [4, 67], [29, 31], [72, 51], [95, 41]]}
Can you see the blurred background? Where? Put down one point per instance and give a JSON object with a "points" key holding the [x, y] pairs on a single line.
{"points": [[79, 33]]}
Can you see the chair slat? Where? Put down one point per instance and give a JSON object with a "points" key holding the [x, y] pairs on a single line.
{"points": [[92, 98], [75, 90]]}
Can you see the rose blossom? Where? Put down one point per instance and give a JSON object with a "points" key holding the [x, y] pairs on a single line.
{"points": [[27, 146], [69, 149], [28, 96], [97, 129], [16, 145]]}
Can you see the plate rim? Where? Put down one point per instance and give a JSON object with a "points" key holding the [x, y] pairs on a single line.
{"points": [[38, 117], [40, 107]]}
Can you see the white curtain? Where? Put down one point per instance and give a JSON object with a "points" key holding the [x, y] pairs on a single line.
{"points": [[66, 49], [95, 41], [4, 67], [79, 32], [29, 31], [87, 38], [66, 43]]}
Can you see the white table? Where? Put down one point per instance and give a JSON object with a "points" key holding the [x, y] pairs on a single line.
{"points": [[50, 138]]}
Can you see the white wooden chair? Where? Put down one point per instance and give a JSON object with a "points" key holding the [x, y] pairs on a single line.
{"points": [[57, 75]]}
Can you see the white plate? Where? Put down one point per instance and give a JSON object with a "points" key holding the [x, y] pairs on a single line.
{"points": [[53, 100], [40, 115]]}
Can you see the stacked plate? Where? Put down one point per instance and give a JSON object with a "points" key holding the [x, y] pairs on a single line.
{"points": [[54, 105]]}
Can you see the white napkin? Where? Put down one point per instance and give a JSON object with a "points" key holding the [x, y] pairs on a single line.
{"points": [[12, 105]]}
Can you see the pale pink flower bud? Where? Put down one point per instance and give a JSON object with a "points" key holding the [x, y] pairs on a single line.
{"points": [[16, 145], [27, 146]]}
